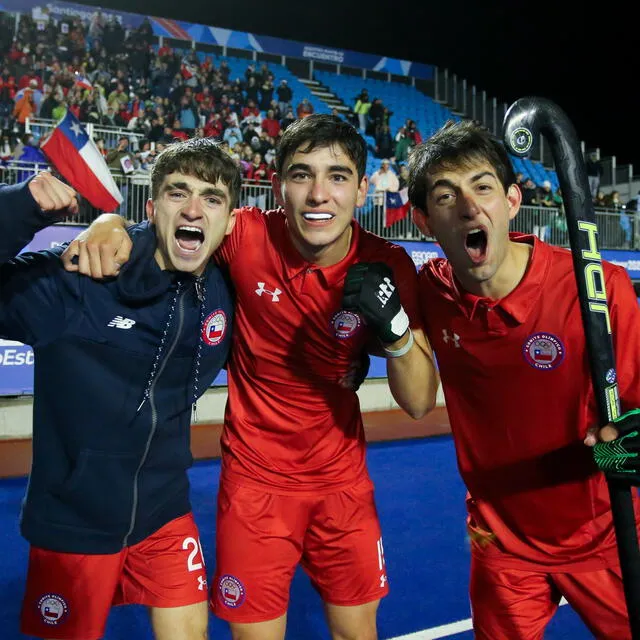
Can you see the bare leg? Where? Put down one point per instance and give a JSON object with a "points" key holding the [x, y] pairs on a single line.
{"points": [[269, 630], [180, 623], [353, 623]]}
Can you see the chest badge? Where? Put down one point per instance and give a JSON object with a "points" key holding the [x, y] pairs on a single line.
{"points": [[214, 327], [543, 351], [345, 324]]}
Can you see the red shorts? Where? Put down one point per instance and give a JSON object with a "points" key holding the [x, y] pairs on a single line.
{"points": [[69, 595], [261, 537], [510, 604]]}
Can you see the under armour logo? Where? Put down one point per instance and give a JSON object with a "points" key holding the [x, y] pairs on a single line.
{"points": [[121, 323], [275, 295], [454, 337], [385, 290], [202, 583], [383, 580]]}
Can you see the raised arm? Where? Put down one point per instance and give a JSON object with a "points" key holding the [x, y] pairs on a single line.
{"points": [[29, 206], [34, 299], [413, 378]]}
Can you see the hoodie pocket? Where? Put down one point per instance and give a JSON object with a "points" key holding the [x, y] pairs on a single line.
{"points": [[100, 489]]}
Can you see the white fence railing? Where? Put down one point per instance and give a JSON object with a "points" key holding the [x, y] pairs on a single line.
{"points": [[41, 127], [617, 230]]}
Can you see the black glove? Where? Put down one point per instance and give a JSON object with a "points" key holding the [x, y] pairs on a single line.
{"points": [[369, 290], [619, 458]]}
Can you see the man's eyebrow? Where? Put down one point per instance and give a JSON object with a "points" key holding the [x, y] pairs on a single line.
{"points": [[178, 185], [213, 191], [299, 166], [208, 191], [482, 174], [341, 168], [334, 168], [443, 182]]}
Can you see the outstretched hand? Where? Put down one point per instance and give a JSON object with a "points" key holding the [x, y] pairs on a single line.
{"points": [[616, 447], [100, 250], [53, 195]]}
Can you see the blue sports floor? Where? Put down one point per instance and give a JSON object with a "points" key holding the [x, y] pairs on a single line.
{"points": [[421, 504]]}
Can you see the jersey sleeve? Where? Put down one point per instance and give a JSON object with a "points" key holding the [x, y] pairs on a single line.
{"points": [[625, 327], [423, 285], [406, 278], [227, 251]]}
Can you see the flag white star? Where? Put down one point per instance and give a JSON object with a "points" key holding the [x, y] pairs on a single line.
{"points": [[75, 127]]}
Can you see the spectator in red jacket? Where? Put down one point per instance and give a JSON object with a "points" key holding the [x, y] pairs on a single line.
{"points": [[270, 124], [256, 173]]}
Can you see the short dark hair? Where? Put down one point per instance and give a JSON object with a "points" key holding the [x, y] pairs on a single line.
{"points": [[322, 130], [456, 144], [201, 158]]}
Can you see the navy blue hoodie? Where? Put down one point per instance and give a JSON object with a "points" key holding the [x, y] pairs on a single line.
{"points": [[118, 365]]}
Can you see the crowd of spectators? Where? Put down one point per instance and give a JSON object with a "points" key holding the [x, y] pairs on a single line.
{"points": [[372, 117], [112, 77]]}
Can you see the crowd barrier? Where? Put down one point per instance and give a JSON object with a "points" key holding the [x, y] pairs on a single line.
{"points": [[617, 229]]}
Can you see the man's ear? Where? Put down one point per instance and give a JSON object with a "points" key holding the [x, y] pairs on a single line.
{"points": [[363, 187], [232, 222], [276, 187], [150, 209], [514, 198], [420, 219]]}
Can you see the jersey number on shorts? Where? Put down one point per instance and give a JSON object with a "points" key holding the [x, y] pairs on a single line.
{"points": [[381, 563], [196, 547]]}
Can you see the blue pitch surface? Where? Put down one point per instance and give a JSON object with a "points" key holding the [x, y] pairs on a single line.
{"points": [[420, 499]]}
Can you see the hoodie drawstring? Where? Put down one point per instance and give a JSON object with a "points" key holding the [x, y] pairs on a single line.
{"points": [[161, 346], [201, 292]]}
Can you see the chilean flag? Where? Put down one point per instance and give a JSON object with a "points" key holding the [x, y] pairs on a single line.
{"points": [[83, 82], [543, 354], [397, 206], [78, 159], [216, 330]]}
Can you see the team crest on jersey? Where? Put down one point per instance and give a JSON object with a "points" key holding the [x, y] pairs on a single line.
{"points": [[53, 608], [543, 351], [345, 324], [214, 327], [232, 591]]}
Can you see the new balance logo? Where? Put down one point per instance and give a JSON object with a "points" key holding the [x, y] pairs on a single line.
{"points": [[385, 290], [275, 295], [121, 323], [453, 338]]}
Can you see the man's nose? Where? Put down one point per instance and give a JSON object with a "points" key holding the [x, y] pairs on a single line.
{"points": [[191, 209], [468, 205], [318, 192]]}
